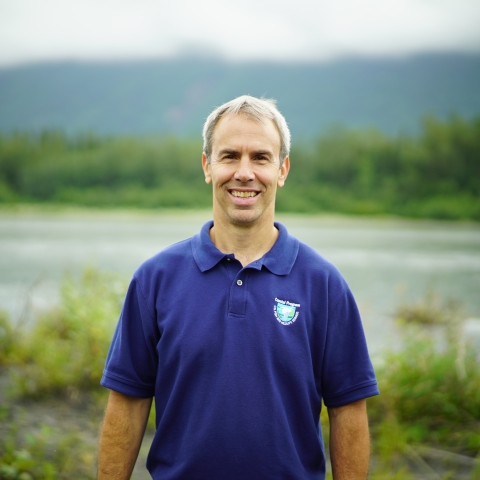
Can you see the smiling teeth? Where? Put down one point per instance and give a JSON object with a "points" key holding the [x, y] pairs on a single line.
{"points": [[236, 193]]}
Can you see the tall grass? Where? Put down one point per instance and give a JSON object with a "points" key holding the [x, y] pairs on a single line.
{"points": [[429, 394], [63, 351], [41, 454], [430, 389], [58, 359]]}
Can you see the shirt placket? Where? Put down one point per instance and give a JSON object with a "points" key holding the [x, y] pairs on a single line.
{"points": [[238, 294]]}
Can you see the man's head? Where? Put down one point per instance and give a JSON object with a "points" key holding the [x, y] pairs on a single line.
{"points": [[246, 160], [257, 109]]}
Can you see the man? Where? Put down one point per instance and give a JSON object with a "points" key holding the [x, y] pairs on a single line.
{"points": [[238, 333]]}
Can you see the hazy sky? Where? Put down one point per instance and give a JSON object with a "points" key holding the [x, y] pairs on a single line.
{"points": [[35, 30]]}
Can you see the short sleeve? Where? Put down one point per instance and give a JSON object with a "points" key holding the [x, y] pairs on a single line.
{"points": [[132, 360], [347, 373]]}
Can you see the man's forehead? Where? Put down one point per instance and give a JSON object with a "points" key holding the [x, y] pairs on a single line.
{"points": [[269, 128]]}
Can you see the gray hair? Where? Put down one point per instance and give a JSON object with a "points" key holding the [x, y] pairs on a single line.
{"points": [[257, 109]]}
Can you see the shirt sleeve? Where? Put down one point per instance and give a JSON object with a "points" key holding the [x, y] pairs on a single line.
{"points": [[347, 373], [132, 361]]}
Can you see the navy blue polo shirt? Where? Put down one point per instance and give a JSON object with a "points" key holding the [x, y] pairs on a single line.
{"points": [[239, 359]]}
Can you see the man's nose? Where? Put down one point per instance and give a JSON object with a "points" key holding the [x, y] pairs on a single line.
{"points": [[244, 172]]}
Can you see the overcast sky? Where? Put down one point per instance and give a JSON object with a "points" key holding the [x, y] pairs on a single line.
{"points": [[37, 30]]}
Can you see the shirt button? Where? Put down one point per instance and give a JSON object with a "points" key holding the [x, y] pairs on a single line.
{"points": [[239, 283]]}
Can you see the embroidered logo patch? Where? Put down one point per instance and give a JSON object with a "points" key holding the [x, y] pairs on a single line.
{"points": [[285, 312]]}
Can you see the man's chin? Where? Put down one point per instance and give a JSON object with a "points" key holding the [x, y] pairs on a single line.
{"points": [[244, 217], [241, 215]]}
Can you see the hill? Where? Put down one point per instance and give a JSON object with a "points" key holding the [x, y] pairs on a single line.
{"points": [[175, 95]]}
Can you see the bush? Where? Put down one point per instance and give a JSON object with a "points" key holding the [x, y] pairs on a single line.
{"points": [[38, 454], [8, 339], [431, 388], [65, 350]]}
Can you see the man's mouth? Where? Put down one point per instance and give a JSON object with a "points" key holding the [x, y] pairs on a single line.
{"points": [[242, 194]]}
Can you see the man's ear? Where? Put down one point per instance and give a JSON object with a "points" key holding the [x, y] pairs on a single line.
{"points": [[206, 168], [284, 169]]}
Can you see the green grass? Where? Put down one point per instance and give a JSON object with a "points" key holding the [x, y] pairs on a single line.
{"points": [[64, 350], [58, 359], [430, 393], [430, 388], [40, 454]]}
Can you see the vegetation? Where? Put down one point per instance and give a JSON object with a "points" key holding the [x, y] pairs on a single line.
{"points": [[430, 396], [432, 175], [42, 454], [430, 387], [430, 390], [58, 358], [76, 334]]}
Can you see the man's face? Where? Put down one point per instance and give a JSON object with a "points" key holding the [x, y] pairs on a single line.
{"points": [[245, 170]]}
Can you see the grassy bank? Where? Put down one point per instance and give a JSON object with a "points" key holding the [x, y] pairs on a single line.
{"points": [[360, 172], [52, 402]]}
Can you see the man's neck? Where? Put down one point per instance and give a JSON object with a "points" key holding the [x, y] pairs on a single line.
{"points": [[247, 243]]}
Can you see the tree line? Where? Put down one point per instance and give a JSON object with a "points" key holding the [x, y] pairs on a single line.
{"points": [[434, 174]]}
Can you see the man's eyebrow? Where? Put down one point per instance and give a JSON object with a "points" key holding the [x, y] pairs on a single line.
{"points": [[255, 152], [227, 150], [263, 152]]}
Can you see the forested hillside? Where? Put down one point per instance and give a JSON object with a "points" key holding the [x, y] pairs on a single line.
{"points": [[434, 174], [175, 95]]}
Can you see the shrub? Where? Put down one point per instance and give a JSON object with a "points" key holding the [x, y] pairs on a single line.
{"points": [[38, 454], [431, 388], [8, 338], [65, 350]]}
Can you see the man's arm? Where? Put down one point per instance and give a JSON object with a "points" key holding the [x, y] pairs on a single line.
{"points": [[349, 441], [121, 435]]}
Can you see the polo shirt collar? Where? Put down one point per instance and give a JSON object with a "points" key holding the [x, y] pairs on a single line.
{"points": [[205, 253], [279, 259]]}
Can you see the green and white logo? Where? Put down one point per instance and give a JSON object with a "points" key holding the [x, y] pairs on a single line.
{"points": [[285, 311]]}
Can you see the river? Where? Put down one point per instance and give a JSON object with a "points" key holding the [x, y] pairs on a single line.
{"points": [[387, 262]]}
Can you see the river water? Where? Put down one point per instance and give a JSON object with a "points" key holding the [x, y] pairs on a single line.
{"points": [[387, 262]]}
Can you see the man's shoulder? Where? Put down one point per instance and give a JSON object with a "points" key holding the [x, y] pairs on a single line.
{"points": [[170, 257], [313, 260], [318, 269]]}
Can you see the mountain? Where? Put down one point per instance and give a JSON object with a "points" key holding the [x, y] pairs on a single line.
{"points": [[175, 95]]}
